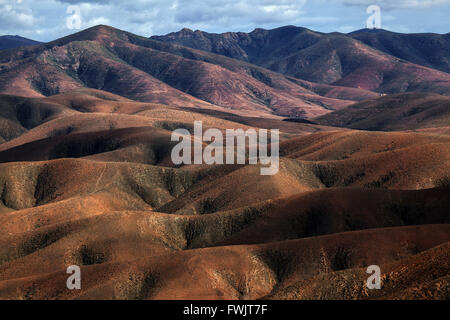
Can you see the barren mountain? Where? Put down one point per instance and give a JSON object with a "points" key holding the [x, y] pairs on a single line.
{"points": [[151, 71], [10, 42], [427, 49], [393, 112], [333, 58], [86, 176]]}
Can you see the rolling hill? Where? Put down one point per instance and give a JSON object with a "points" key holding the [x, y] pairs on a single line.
{"points": [[395, 112], [86, 176], [140, 228]]}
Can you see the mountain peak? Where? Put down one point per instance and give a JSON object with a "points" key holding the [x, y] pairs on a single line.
{"points": [[98, 32], [186, 30], [259, 30]]}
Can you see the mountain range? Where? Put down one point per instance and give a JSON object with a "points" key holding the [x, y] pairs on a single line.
{"points": [[11, 42], [375, 60], [138, 68], [86, 176]]}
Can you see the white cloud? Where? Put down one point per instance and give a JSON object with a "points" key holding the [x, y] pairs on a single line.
{"points": [[18, 17], [397, 4], [238, 11]]}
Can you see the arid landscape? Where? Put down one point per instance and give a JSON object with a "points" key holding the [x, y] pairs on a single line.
{"points": [[86, 176]]}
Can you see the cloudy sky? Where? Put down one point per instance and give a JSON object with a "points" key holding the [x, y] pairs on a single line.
{"points": [[46, 20]]}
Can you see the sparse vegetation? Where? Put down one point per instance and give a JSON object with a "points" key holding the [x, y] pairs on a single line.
{"points": [[87, 179], [341, 259], [279, 261], [88, 256], [443, 183]]}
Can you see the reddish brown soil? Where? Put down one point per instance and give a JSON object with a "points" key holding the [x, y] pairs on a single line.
{"points": [[112, 202], [86, 176]]}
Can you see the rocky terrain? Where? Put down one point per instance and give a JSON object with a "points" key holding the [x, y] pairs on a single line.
{"points": [[86, 176]]}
